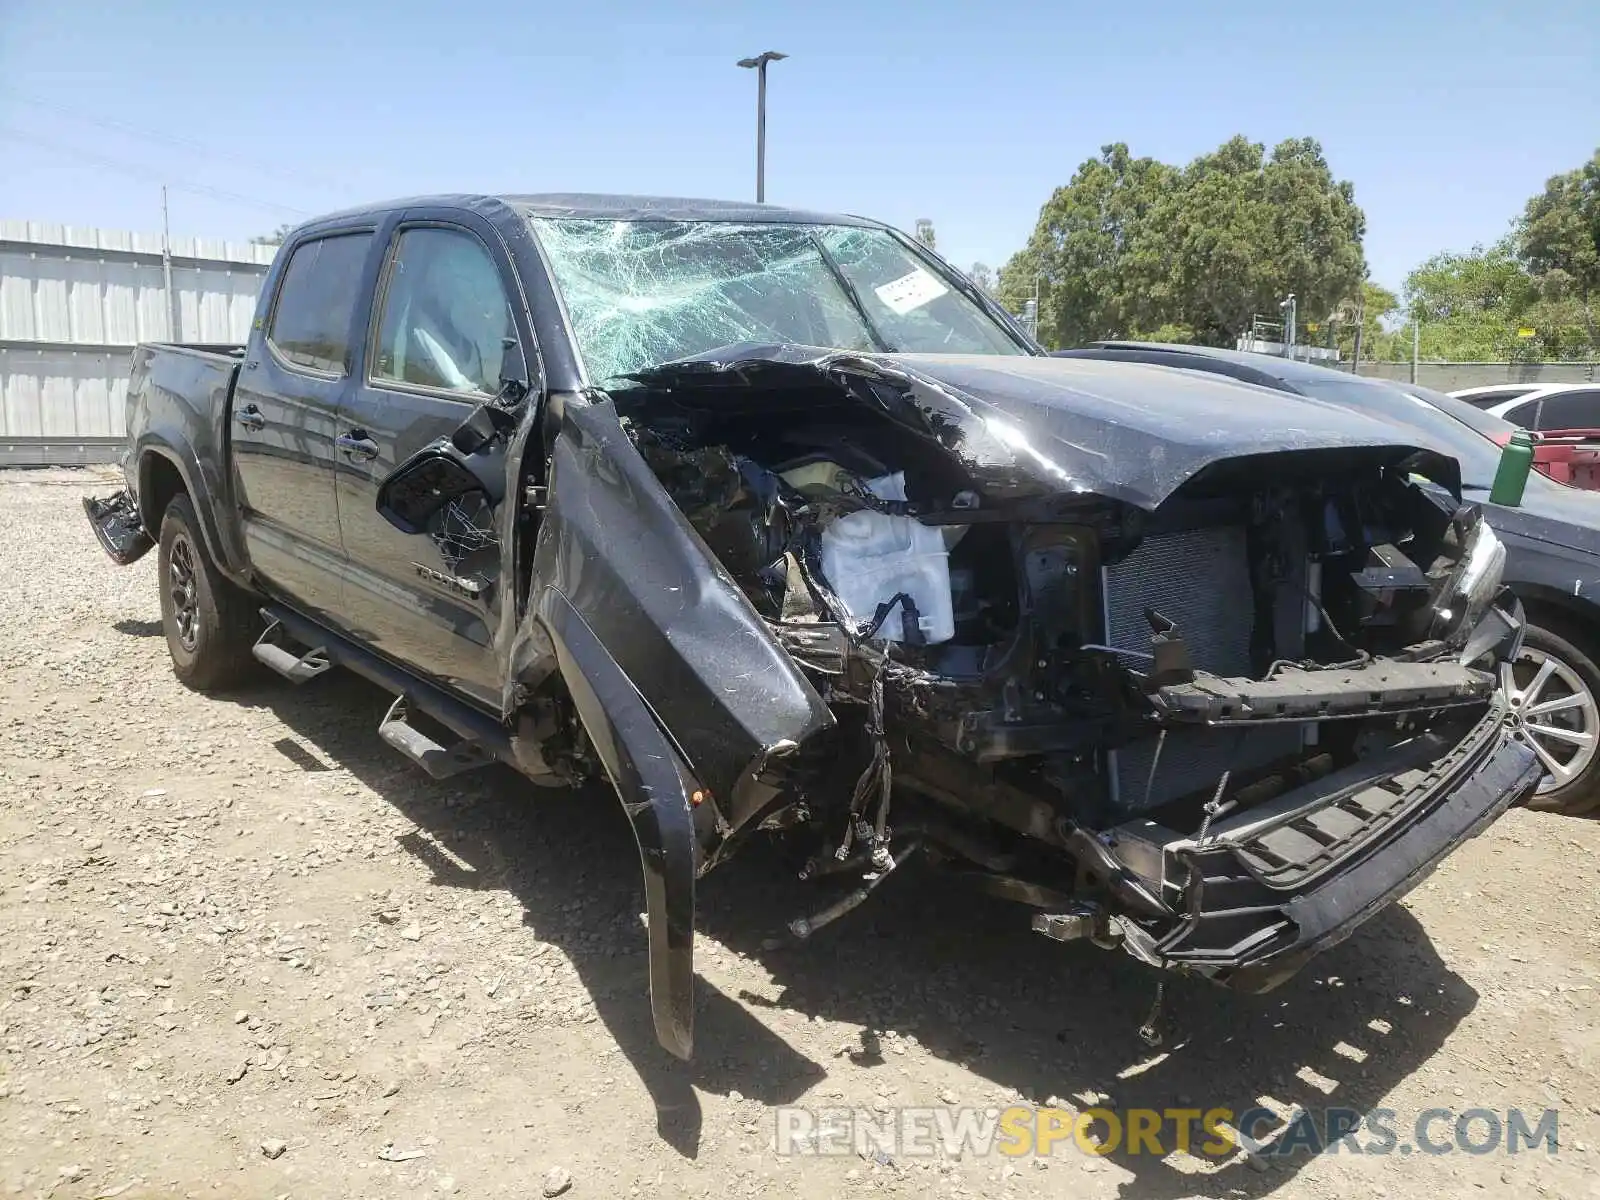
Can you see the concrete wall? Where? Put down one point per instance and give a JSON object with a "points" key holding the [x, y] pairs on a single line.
{"points": [[1452, 376], [73, 303]]}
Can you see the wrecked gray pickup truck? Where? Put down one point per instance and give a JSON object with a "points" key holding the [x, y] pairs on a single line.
{"points": [[778, 524]]}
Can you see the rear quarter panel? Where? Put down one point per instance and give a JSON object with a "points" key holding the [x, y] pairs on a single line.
{"points": [[178, 401]]}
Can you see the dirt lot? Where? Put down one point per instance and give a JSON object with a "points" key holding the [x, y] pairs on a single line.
{"points": [[238, 927]]}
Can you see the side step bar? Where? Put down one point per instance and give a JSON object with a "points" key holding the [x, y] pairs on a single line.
{"points": [[295, 668], [441, 762], [486, 736]]}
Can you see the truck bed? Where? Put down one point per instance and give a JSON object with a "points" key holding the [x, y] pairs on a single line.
{"points": [[180, 393], [229, 349]]}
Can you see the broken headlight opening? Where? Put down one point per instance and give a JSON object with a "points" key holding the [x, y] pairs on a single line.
{"points": [[1471, 586], [1209, 700]]}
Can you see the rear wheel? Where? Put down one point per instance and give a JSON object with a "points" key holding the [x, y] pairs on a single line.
{"points": [[210, 623], [1555, 686]]}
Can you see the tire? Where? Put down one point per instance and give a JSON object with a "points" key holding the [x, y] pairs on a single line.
{"points": [[1555, 674], [210, 623]]}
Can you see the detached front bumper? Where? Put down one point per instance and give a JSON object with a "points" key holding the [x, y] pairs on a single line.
{"points": [[117, 526], [1270, 888]]}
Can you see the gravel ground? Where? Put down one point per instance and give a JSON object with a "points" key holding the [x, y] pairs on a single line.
{"points": [[246, 950]]}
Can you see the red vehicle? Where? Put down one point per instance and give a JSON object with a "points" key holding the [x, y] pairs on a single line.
{"points": [[1569, 456]]}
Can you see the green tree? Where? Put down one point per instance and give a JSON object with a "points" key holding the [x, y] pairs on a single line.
{"points": [[1560, 246], [1092, 237], [1532, 295], [981, 275], [1472, 306], [925, 234], [1132, 246], [275, 238], [1169, 332], [1249, 228], [1369, 308]]}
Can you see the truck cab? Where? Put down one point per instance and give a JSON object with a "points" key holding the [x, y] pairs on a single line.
{"points": [[374, 339]]}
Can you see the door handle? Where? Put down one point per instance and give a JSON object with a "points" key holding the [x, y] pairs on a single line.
{"points": [[250, 417], [357, 446]]}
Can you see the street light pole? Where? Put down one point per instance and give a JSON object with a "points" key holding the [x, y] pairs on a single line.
{"points": [[759, 65]]}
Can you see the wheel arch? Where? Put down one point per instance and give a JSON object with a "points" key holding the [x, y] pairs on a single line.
{"points": [[165, 472], [1572, 617], [160, 480], [1570, 622]]}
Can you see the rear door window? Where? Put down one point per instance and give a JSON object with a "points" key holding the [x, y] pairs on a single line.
{"points": [[1497, 396], [316, 301], [1569, 410], [1523, 416]]}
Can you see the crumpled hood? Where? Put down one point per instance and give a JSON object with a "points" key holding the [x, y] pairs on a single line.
{"points": [[1133, 432]]}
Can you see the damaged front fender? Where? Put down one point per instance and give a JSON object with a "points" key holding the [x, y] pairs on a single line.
{"points": [[685, 696], [655, 788], [676, 624]]}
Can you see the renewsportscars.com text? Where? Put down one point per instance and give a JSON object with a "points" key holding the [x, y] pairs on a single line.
{"points": [[1024, 1130]]}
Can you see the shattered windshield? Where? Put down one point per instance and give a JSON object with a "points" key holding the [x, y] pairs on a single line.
{"points": [[641, 293]]}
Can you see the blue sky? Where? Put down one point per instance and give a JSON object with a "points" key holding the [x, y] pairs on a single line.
{"points": [[1446, 116]]}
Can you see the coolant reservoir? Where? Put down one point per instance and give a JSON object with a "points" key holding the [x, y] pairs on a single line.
{"points": [[870, 557]]}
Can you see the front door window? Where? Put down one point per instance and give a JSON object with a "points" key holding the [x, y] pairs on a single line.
{"points": [[446, 324]]}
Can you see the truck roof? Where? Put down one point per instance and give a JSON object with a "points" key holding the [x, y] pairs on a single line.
{"points": [[599, 206], [670, 208]]}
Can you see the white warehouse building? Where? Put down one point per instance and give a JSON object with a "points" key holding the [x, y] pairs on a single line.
{"points": [[74, 302]]}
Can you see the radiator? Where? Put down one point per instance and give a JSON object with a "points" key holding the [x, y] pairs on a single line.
{"points": [[1199, 579]]}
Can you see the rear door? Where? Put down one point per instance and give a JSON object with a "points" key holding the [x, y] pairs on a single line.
{"points": [[442, 334], [291, 384]]}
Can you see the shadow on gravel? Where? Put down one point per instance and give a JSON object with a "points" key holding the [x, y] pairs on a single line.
{"points": [[138, 628], [570, 859], [960, 972], [965, 975], [299, 755]]}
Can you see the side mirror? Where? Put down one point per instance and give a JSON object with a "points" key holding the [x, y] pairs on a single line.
{"points": [[513, 369], [497, 418], [487, 423], [431, 479]]}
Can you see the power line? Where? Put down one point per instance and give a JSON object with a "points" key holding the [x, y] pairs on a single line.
{"points": [[150, 173], [182, 143]]}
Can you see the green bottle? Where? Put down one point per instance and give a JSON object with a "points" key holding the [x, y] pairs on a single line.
{"points": [[1511, 478]]}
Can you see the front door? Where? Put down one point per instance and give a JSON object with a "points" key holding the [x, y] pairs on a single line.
{"points": [[441, 339], [291, 382]]}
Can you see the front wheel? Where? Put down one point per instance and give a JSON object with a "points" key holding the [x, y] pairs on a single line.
{"points": [[210, 623], [1555, 687]]}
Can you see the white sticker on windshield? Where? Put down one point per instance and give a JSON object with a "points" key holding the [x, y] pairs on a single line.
{"points": [[910, 291]]}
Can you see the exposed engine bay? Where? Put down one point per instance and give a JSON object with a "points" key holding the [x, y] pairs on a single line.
{"points": [[1159, 725]]}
